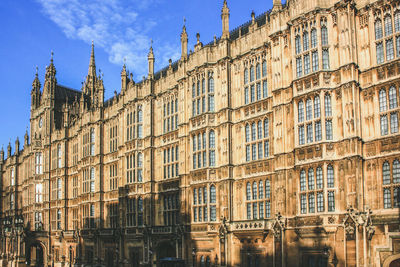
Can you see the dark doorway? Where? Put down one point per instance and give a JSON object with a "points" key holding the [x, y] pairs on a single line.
{"points": [[165, 250], [395, 263], [35, 256]]}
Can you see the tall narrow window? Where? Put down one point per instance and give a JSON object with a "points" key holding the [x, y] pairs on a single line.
{"points": [[213, 201], [140, 211], [251, 73], [264, 68], [306, 41], [139, 122], [59, 156], [328, 106], [388, 25], [92, 179], [92, 140], [389, 50], [315, 63], [306, 64], [317, 107], [325, 59], [314, 40], [397, 21], [59, 189], [392, 97], [12, 174], [299, 67], [378, 29], [211, 104], [38, 193], [379, 53], [139, 167], [298, 44], [324, 36], [330, 177], [301, 111], [246, 76], [212, 148]]}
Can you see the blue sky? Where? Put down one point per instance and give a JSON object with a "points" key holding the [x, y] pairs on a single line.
{"points": [[31, 29]]}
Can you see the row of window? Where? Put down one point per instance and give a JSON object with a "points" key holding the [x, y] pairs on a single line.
{"points": [[134, 124], [202, 204], [171, 205], [391, 184], [257, 140], [171, 158], [170, 116], [258, 200], [134, 168], [200, 150], [200, 95], [385, 43], [388, 112], [253, 91]]}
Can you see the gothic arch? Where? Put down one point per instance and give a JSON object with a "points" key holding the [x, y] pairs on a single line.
{"points": [[391, 259]]}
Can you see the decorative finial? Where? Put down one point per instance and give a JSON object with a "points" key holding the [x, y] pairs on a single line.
{"points": [[184, 21], [37, 71], [198, 37], [52, 54], [124, 61], [151, 42]]}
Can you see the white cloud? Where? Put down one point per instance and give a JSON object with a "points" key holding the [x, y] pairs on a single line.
{"points": [[115, 25]]}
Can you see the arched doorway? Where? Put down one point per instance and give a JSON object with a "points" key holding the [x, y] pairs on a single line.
{"points": [[35, 255], [165, 250]]}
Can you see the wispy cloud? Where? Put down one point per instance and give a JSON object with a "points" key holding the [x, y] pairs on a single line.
{"points": [[118, 26]]}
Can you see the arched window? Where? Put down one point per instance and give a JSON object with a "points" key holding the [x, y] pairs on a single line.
{"points": [[211, 104], [392, 97], [266, 127], [246, 76], [386, 173], [254, 190], [301, 111], [330, 177], [251, 73], [208, 262], [140, 167], [397, 21], [320, 182], [378, 29], [396, 172], [302, 180], [140, 120], [324, 36], [388, 25], [253, 131], [314, 41], [317, 107], [140, 211], [261, 190], [264, 68], [267, 189], [306, 41], [298, 44], [202, 262], [310, 179], [211, 142], [382, 100], [59, 188], [309, 114], [248, 191], [258, 71], [213, 195], [247, 134], [59, 153], [259, 130], [328, 106]]}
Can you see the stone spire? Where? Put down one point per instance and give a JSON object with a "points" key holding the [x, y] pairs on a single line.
{"points": [[124, 77], [51, 69], [150, 58], [16, 152], [50, 81], [35, 92], [2, 155], [92, 63], [9, 150], [184, 41], [225, 20], [26, 139]]}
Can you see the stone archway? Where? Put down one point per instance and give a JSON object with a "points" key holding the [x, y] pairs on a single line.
{"points": [[392, 261], [36, 255]]}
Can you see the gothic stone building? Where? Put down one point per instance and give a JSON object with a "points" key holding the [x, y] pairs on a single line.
{"points": [[276, 144]]}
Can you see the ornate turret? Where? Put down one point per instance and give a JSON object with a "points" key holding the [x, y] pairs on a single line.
{"points": [[184, 42], [150, 58], [35, 93], [50, 81], [225, 21], [90, 83], [16, 152], [9, 150], [26, 139], [124, 78], [277, 5], [2, 155]]}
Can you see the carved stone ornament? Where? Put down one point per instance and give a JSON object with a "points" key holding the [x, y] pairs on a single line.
{"points": [[278, 226], [223, 231]]}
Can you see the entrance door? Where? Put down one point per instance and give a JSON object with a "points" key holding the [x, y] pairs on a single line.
{"points": [[35, 256]]}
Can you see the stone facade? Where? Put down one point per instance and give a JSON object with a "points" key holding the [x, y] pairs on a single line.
{"points": [[274, 145]]}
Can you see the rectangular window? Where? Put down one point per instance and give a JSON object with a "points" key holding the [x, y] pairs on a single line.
{"points": [[246, 95], [267, 209], [384, 125], [252, 93], [318, 131], [320, 202], [331, 201], [394, 123], [379, 53], [213, 213], [311, 203], [255, 211], [328, 128], [253, 152], [310, 133], [249, 211], [258, 91], [306, 64], [247, 152], [266, 148], [261, 210], [387, 198], [303, 203], [325, 59], [299, 67], [301, 135], [265, 89], [315, 63], [398, 46], [389, 50]]}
